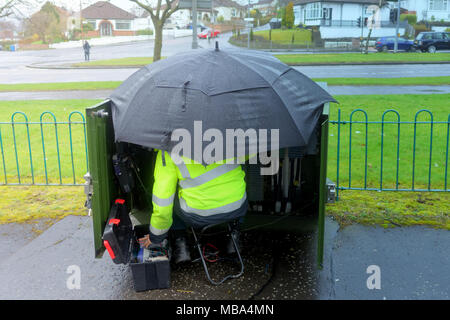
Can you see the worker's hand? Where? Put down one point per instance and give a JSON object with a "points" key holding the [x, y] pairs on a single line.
{"points": [[145, 241]]}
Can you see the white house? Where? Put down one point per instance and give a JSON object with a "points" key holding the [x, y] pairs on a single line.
{"points": [[227, 9], [107, 19], [265, 6], [345, 18], [428, 10]]}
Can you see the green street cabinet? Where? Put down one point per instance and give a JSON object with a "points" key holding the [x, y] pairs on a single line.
{"points": [[298, 206]]}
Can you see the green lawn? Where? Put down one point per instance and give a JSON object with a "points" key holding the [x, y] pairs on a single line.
{"points": [[299, 59], [351, 58], [60, 86], [285, 36], [407, 106], [132, 62], [430, 81], [110, 85], [366, 207], [33, 111]]}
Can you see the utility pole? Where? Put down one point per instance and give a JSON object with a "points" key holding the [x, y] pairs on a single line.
{"points": [[397, 27], [362, 27], [248, 16], [81, 21], [194, 24]]}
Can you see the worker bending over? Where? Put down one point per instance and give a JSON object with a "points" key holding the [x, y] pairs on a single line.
{"points": [[206, 195]]}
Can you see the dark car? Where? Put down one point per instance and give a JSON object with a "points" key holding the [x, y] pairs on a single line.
{"points": [[385, 44], [432, 41], [275, 23], [200, 27]]}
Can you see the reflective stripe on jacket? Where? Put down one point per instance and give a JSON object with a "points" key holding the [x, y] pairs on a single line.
{"points": [[203, 190]]}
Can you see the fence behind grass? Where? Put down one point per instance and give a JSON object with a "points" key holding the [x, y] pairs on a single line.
{"points": [[390, 153], [44, 152], [384, 154]]}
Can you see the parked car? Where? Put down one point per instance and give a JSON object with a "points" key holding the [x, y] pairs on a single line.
{"points": [[384, 44], [432, 41], [200, 26], [275, 23], [208, 33]]}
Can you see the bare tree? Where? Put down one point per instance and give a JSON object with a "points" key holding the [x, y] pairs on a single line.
{"points": [[159, 15], [373, 23], [14, 7]]}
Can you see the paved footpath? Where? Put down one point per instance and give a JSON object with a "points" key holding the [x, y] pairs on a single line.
{"points": [[410, 263]]}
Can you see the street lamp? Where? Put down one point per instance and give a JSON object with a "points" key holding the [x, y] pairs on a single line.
{"points": [[194, 24]]}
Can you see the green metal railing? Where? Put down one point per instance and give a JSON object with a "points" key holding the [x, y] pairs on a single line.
{"points": [[382, 155], [416, 164], [47, 152]]}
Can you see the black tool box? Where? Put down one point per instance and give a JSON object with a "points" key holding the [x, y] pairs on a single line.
{"points": [[120, 240]]}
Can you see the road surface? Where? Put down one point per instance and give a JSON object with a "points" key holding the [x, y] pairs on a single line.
{"points": [[13, 65]]}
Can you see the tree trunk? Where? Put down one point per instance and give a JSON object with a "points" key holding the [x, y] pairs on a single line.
{"points": [[158, 42], [366, 51]]}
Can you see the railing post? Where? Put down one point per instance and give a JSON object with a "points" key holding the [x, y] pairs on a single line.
{"points": [[29, 145], [338, 154]]}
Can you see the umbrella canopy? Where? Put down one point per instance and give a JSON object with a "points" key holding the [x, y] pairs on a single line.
{"points": [[225, 89]]}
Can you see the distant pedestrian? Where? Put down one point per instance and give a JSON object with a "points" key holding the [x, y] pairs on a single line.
{"points": [[87, 50]]}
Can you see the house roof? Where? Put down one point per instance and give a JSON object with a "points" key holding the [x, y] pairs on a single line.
{"points": [[262, 2], [376, 2], [216, 4], [227, 3], [106, 10]]}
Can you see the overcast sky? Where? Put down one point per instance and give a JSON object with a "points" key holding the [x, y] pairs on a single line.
{"points": [[75, 4]]}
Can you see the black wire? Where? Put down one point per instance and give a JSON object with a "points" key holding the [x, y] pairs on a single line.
{"points": [[274, 262]]}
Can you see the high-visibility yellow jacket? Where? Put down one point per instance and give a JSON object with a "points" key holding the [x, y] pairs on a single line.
{"points": [[202, 190]]}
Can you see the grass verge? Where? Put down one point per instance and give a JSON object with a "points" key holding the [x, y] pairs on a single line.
{"points": [[111, 85], [123, 62], [59, 86], [385, 208], [418, 81], [23, 204], [300, 59], [392, 209], [352, 58]]}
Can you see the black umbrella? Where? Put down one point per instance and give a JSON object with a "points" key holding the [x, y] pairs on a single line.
{"points": [[225, 89]]}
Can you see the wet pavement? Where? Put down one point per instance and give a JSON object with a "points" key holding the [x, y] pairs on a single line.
{"points": [[38, 270], [413, 264]]}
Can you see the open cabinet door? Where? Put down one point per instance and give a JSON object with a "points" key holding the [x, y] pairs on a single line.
{"points": [[100, 134], [324, 123]]}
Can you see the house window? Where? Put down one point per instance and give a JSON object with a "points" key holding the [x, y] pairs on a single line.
{"points": [[314, 10], [233, 12], [438, 5], [123, 25], [93, 23]]}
